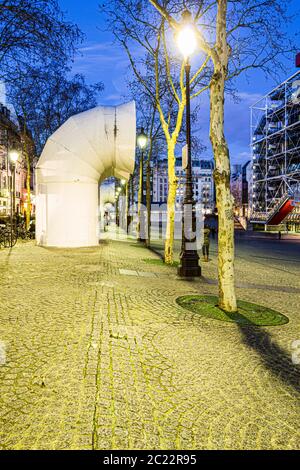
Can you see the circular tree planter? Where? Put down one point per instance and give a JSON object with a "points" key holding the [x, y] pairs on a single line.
{"points": [[248, 313]]}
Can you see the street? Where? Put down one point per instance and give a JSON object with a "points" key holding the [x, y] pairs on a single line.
{"points": [[96, 354]]}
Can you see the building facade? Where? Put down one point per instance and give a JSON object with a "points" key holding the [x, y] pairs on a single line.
{"points": [[11, 138], [275, 129], [203, 184], [241, 189]]}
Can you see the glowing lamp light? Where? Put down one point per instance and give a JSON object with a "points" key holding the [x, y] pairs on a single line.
{"points": [[186, 41], [186, 38], [142, 139], [13, 156]]}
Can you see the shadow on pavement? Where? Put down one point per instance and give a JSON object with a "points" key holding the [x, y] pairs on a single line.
{"points": [[273, 357]]}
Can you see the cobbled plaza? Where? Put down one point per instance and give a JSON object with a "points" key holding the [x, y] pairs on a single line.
{"points": [[96, 354]]}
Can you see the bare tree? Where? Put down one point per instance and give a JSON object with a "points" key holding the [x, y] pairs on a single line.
{"points": [[237, 35], [34, 31], [47, 98], [148, 118], [144, 36], [44, 99]]}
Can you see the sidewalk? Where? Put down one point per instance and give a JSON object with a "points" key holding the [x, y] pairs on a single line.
{"points": [[100, 356], [268, 235]]}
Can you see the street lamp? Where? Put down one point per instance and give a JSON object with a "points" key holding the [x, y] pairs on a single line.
{"points": [[186, 37], [13, 157], [142, 141], [189, 259], [117, 198]]}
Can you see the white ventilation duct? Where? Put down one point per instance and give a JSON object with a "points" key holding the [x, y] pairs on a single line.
{"points": [[87, 149]]}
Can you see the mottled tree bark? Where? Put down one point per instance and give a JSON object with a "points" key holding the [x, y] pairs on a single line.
{"points": [[172, 179], [243, 25], [172, 187], [225, 202]]}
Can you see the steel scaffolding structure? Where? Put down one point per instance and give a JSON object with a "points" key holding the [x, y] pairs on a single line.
{"points": [[275, 142]]}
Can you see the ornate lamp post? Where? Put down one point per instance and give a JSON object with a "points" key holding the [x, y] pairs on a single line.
{"points": [[142, 141], [13, 158], [118, 192], [189, 259], [123, 194]]}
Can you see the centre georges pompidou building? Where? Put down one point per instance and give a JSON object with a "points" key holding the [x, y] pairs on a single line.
{"points": [[275, 130]]}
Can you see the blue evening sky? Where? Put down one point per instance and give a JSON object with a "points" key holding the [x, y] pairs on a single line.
{"points": [[101, 60]]}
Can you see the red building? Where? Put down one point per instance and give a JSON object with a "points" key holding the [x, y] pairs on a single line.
{"points": [[12, 138]]}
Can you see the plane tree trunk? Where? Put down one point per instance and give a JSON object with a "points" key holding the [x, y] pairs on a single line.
{"points": [[225, 202], [172, 187]]}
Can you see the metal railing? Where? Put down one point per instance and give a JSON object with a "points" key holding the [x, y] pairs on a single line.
{"points": [[267, 216]]}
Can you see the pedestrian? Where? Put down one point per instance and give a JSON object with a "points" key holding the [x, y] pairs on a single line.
{"points": [[206, 242], [279, 235], [106, 221]]}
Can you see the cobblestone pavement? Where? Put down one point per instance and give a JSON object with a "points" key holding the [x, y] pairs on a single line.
{"points": [[98, 358]]}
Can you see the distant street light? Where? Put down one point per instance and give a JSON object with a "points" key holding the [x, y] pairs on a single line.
{"points": [[142, 141], [189, 259], [14, 156]]}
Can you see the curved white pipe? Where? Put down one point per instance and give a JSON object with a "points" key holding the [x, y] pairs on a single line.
{"points": [[84, 151]]}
